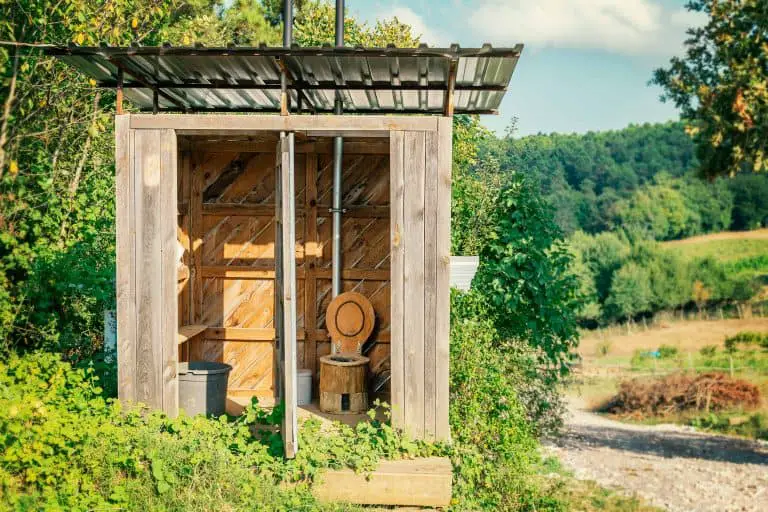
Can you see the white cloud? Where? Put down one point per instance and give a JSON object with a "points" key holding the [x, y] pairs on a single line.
{"points": [[637, 27], [409, 17]]}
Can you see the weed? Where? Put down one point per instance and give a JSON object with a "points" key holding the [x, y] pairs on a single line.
{"points": [[603, 348]]}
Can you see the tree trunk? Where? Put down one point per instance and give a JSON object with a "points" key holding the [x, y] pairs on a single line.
{"points": [[7, 109]]}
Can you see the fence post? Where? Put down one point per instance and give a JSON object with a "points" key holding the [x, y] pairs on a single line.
{"points": [[730, 364], [690, 362]]}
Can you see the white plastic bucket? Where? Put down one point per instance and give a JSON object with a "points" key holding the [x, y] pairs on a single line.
{"points": [[305, 387]]}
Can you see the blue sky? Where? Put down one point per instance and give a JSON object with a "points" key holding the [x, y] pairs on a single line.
{"points": [[586, 64]]}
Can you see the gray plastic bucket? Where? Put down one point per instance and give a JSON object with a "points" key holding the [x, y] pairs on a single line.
{"points": [[203, 387]]}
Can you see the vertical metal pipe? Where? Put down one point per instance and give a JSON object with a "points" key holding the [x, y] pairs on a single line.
{"points": [[287, 40], [338, 147], [287, 23], [339, 23]]}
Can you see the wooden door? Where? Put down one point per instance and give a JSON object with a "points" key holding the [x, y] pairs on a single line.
{"points": [[285, 288]]}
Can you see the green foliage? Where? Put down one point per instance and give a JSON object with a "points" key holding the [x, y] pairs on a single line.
{"points": [[750, 207], [708, 350], [720, 85], [315, 25], [630, 292], [668, 351], [57, 149], [746, 338], [64, 446], [525, 276], [752, 425], [622, 279]]}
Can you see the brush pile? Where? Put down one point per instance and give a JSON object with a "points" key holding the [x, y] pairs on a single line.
{"points": [[679, 393]]}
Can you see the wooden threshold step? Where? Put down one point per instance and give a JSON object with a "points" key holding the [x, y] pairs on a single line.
{"points": [[424, 482]]}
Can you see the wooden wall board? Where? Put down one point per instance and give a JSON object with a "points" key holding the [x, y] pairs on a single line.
{"points": [[420, 290], [126, 259], [413, 281], [237, 241], [397, 263], [169, 262], [252, 361], [323, 125], [442, 286]]}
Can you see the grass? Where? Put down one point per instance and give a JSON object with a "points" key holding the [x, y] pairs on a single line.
{"points": [[686, 335], [739, 423], [726, 246]]}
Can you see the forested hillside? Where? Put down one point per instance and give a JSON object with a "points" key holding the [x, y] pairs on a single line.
{"points": [[642, 179], [615, 196]]}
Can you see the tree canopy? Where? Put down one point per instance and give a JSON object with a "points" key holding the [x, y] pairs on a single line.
{"points": [[721, 85]]}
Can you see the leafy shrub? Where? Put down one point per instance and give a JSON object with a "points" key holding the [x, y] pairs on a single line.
{"points": [[668, 352], [494, 447], [536, 390], [708, 350], [526, 279], [746, 338], [65, 447], [753, 425]]}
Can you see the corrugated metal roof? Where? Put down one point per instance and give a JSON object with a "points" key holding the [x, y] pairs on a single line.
{"points": [[463, 270], [240, 79]]}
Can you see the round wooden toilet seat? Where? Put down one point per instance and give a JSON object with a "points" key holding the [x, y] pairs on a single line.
{"points": [[350, 320]]}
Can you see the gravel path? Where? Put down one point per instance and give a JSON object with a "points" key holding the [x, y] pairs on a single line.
{"points": [[672, 467]]}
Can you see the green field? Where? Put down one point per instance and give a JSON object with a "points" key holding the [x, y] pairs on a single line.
{"points": [[743, 253]]}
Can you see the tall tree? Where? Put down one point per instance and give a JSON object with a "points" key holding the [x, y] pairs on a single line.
{"points": [[721, 85]]}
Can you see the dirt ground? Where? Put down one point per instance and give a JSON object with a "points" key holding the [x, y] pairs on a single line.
{"points": [[672, 467], [687, 335]]}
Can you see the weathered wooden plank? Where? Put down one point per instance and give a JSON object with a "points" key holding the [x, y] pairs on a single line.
{"points": [[168, 259], [197, 183], [415, 482], [430, 281], [187, 332], [377, 146], [240, 333], [286, 282], [265, 210], [413, 280], [397, 245], [442, 286], [149, 270], [245, 272], [213, 124], [126, 260], [310, 252]]}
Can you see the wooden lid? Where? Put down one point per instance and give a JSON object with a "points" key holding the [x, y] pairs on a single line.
{"points": [[350, 319]]}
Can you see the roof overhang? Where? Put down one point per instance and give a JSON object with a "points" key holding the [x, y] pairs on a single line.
{"points": [[247, 79]]}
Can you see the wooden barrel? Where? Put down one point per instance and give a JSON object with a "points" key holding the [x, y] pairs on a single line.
{"points": [[342, 383]]}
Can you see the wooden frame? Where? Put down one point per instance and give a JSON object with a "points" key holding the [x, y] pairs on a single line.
{"points": [[419, 218]]}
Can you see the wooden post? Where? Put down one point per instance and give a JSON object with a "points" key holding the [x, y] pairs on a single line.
{"points": [[397, 258], [119, 99]]}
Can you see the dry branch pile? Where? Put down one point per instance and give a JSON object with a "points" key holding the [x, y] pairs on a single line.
{"points": [[678, 393]]}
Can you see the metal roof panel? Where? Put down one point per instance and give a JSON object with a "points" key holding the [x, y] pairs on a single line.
{"points": [[246, 79]]}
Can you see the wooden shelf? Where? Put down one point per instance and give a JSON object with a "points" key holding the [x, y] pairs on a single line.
{"points": [[187, 332]]}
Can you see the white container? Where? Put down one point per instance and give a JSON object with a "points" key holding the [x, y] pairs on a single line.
{"points": [[305, 387]]}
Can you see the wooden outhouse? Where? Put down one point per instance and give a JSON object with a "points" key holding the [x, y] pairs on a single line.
{"points": [[224, 232]]}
